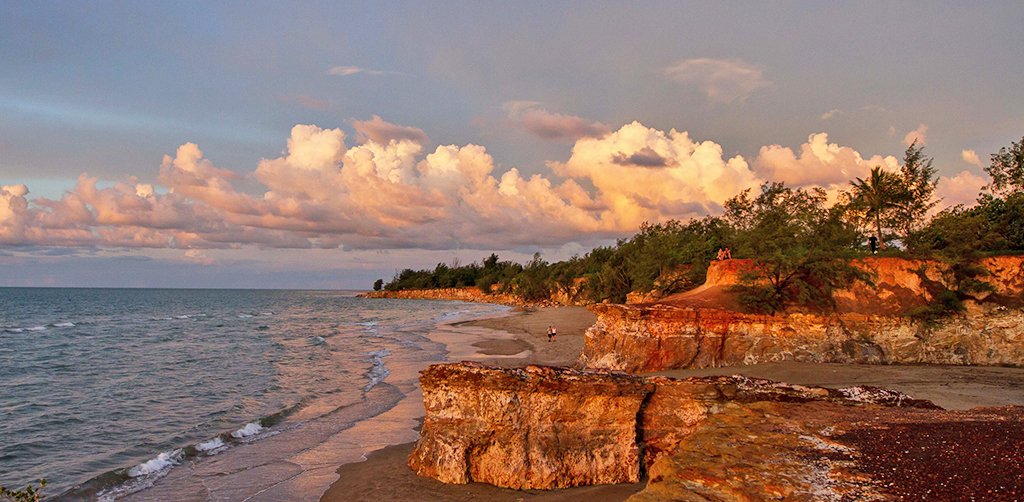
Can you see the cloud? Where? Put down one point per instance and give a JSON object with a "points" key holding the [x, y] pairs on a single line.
{"points": [[643, 158], [345, 71], [721, 80], [538, 121], [960, 189], [919, 135], [392, 192], [970, 157], [819, 163], [831, 113], [308, 102], [378, 130]]}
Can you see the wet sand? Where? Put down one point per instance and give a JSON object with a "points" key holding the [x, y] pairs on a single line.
{"points": [[520, 338]]}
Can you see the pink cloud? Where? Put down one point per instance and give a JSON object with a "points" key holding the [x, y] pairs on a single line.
{"points": [[918, 136], [549, 125], [321, 192], [381, 131]]}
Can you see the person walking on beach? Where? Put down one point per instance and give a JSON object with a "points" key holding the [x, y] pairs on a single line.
{"points": [[552, 333]]}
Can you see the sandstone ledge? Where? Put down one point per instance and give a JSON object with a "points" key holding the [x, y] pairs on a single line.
{"points": [[544, 428]]}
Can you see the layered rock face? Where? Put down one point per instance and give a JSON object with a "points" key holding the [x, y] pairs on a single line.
{"points": [[545, 428], [535, 427], [867, 328]]}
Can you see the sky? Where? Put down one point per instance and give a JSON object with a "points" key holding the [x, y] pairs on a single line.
{"points": [[325, 145]]}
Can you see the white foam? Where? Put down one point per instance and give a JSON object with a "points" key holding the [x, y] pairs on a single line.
{"points": [[378, 372], [181, 317], [63, 325], [36, 328], [244, 316], [160, 319], [266, 313], [14, 330], [210, 445], [250, 429], [163, 461]]}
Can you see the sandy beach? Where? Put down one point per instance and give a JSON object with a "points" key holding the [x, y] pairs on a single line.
{"points": [[519, 338]]}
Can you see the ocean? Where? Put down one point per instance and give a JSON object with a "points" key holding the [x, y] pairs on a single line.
{"points": [[107, 392]]}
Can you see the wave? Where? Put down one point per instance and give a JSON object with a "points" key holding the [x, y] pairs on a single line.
{"points": [[63, 325], [160, 318], [250, 429], [244, 316], [210, 446], [36, 328], [14, 330], [378, 371], [162, 461]]}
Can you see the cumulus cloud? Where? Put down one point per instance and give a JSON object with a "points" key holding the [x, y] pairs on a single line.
{"points": [[721, 80], [960, 189], [381, 131], [970, 157], [345, 71], [818, 163], [390, 191], [542, 123], [918, 136]]}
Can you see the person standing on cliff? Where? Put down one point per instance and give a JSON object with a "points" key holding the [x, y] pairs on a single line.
{"points": [[552, 333], [873, 242]]}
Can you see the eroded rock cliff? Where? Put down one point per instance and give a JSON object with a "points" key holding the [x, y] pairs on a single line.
{"points": [[544, 428], [700, 329], [535, 427]]}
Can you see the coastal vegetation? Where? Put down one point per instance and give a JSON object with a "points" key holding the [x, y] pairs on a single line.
{"points": [[31, 493], [801, 241]]}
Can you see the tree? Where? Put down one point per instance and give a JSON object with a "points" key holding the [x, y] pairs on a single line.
{"points": [[1007, 169], [800, 247], [378, 284], [917, 187], [877, 199]]}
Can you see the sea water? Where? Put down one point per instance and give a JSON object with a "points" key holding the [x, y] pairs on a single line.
{"points": [[103, 392]]}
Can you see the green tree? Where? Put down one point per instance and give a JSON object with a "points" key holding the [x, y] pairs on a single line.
{"points": [[916, 192], [378, 284], [800, 247], [1007, 169], [877, 199]]}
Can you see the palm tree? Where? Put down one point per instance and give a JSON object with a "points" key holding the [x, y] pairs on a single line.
{"points": [[877, 195]]}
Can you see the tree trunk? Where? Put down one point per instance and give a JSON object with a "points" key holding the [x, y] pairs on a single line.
{"points": [[878, 230]]}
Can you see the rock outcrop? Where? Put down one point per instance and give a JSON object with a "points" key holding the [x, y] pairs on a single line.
{"points": [[471, 294], [691, 331], [544, 428], [571, 295], [814, 451], [536, 427]]}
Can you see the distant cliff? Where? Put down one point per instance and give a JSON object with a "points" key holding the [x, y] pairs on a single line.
{"points": [[470, 294], [703, 327], [473, 294]]}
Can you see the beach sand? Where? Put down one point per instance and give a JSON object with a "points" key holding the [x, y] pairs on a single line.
{"points": [[520, 338]]}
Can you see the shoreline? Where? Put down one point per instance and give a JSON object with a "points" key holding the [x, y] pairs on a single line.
{"points": [[518, 338]]}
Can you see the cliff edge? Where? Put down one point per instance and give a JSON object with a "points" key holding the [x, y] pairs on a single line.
{"points": [[704, 327]]}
